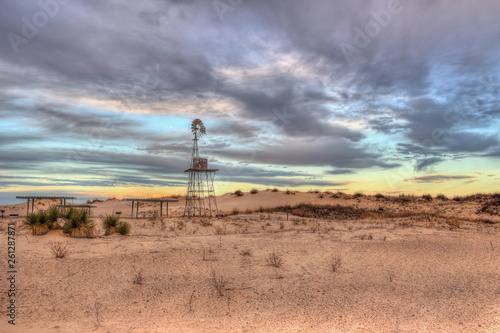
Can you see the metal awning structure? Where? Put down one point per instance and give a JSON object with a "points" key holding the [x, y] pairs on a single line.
{"points": [[137, 201], [201, 170], [77, 206], [32, 198]]}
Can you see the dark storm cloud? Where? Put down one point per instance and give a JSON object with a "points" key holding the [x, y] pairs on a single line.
{"points": [[65, 160], [425, 163], [340, 172], [235, 128], [289, 110], [428, 79], [323, 152]]}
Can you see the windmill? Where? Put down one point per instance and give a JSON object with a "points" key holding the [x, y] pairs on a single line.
{"points": [[200, 198]]}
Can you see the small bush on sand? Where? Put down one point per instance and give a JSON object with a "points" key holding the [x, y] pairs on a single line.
{"points": [[138, 278], [275, 259], [246, 252], [123, 228], [379, 196], [427, 197], [238, 193], [220, 230], [335, 262], [274, 190], [254, 191], [58, 249], [492, 207], [110, 224], [219, 282], [206, 223], [441, 197], [453, 223]]}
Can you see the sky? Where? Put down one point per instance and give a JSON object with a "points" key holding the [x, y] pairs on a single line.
{"points": [[97, 97]]}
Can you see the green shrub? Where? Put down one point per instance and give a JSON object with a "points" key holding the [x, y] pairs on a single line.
{"points": [[427, 197], [53, 214], [79, 224], [441, 197], [123, 228], [68, 211], [38, 223], [110, 224]]}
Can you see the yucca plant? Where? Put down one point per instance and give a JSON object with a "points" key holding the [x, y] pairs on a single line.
{"points": [[123, 228], [37, 222], [110, 224], [53, 214], [79, 224], [67, 212]]}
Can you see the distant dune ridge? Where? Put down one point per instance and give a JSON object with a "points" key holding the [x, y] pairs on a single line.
{"points": [[275, 262]]}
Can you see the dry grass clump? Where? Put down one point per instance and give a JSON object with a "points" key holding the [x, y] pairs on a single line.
{"points": [[254, 191], [220, 230], [275, 259], [246, 252], [334, 262], [427, 197], [89, 202], [138, 278], [238, 193], [315, 227], [441, 197], [326, 211], [274, 190], [453, 223], [379, 196], [365, 236], [206, 223], [219, 282], [492, 207], [58, 249]]}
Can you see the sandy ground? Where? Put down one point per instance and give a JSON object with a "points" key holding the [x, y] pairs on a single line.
{"points": [[406, 274]]}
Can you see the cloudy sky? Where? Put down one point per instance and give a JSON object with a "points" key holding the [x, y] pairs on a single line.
{"points": [[384, 96]]}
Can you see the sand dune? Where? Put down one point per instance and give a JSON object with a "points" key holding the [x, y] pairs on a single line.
{"points": [[410, 272]]}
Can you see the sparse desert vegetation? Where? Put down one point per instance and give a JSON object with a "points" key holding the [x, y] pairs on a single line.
{"points": [[268, 254]]}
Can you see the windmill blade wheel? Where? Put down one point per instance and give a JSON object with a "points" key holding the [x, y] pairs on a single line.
{"points": [[197, 125]]}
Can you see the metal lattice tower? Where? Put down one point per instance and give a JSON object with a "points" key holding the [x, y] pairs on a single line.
{"points": [[200, 198]]}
